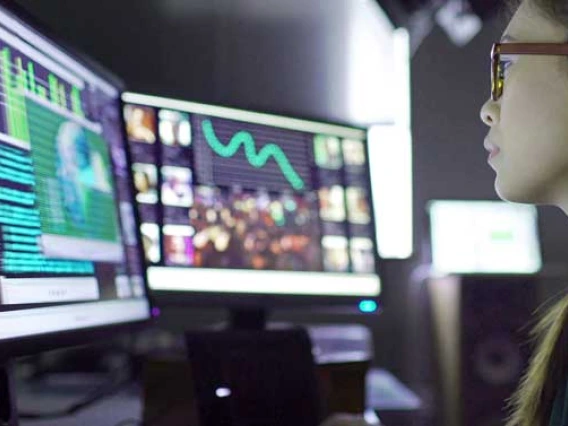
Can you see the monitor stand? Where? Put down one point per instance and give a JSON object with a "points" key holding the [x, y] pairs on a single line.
{"points": [[8, 412], [247, 318]]}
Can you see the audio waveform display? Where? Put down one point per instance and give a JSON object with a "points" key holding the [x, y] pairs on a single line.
{"points": [[251, 156], [256, 159]]}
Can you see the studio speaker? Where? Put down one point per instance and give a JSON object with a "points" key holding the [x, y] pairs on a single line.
{"points": [[482, 344]]}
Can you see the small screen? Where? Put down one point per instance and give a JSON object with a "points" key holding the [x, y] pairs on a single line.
{"points": [[223, 192], [69, 256], [484, 237]]}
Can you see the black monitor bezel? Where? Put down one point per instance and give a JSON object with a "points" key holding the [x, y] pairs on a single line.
{"points": [[26, 345], [235, 300]]}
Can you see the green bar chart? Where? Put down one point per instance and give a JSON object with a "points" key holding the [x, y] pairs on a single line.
{"points": [[22, 77]]}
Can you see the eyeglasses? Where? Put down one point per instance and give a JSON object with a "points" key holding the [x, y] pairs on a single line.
{"points": [[498, 49]]}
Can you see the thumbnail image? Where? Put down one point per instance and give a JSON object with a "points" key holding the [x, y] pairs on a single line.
{"points": [[176, 186], [335, 253], [327, 152], [255, 230], [140, 123], [332, 203], [354, 152], [175, 128], [151, 241], [146, 183], [358, 209], [178, 245], [362, 255]]}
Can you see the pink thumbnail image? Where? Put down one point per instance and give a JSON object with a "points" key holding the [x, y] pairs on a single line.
{"points": [[178, 250]]}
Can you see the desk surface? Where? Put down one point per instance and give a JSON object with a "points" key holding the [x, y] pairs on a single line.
{"points": [[109, 411], [384, 393]]}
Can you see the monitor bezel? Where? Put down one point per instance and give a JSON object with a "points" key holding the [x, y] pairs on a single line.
{"points": [[236, 300], [31, 344]]}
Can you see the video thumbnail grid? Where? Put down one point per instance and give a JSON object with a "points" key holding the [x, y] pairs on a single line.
{"points": [[220, 193]]}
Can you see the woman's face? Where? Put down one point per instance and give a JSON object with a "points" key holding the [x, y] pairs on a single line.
{"points": [[528, 136]]}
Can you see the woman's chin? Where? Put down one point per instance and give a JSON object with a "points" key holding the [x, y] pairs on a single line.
{"points": [[515, 193]]}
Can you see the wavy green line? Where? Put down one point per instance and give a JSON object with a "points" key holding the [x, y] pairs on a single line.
{"points": [[255, 159]]}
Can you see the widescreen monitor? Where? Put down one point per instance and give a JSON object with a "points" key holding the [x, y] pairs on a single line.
{"points": [[70, 260], [484, 237], [235, 202]]}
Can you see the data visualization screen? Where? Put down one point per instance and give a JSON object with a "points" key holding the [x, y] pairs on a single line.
{"points": [[69, 256], [237, 201]]}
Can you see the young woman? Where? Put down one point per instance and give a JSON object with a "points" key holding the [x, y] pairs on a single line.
{"points": [[527, 115]]}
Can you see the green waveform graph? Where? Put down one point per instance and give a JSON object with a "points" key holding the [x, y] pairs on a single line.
{"points": [[255, 159]]}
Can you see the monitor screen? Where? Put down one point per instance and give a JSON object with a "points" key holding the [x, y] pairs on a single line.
{"points": [[484, 237], [69, 246], [234, 201]]}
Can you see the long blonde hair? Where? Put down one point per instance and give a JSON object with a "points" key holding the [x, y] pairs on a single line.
{"points": [[531, 405]]}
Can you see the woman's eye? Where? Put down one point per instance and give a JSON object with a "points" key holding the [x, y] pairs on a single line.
{"points": [[504, 66]]}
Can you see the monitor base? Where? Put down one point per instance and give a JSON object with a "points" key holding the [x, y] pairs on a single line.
{"points": [[247, 318]]}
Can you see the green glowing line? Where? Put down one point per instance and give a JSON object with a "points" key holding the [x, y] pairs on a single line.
{"points": [[255, 159], [31, 77], [7, 77]]}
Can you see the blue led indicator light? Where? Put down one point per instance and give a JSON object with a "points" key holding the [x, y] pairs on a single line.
{"points": [[368, 306]]}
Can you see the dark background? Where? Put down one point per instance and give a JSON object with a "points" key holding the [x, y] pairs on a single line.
{"points": [[288, 57]]}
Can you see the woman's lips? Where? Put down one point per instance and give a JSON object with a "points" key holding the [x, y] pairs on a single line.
{"points": [[491, 148], [493, 153]]}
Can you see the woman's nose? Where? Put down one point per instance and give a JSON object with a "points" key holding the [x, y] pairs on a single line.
{"points": [[490, 113]]}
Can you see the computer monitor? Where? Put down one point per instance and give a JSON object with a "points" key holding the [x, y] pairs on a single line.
{"points": [[484, 237], [237, 204], [70, 259]]}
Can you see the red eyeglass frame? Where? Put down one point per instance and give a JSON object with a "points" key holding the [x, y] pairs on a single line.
{"points": [[498, 49]]}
